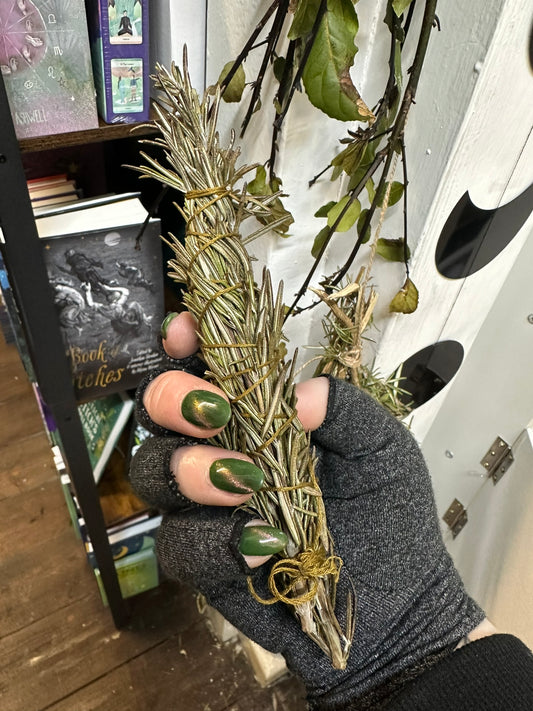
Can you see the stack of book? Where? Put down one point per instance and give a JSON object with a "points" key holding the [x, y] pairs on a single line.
{"points": [[52, 190], [104, 261]]}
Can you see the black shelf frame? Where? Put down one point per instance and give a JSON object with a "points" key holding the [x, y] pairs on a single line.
{"points": [[33, 294]]}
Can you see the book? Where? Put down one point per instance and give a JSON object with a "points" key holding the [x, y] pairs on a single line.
{"points": [[119, 503], [127, 540], [46, 181], [54, 200], [108, 289], [133, 551], [174, 25], [119, 39], [54, 190], [63, 188], [136, 573], [68, 492], [12, 321], [46, 66], [103, 421]]}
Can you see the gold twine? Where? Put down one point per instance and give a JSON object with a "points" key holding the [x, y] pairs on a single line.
{"points": [[306, 568]]}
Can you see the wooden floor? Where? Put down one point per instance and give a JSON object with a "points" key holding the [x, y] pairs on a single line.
{"points": [[59, 650]]}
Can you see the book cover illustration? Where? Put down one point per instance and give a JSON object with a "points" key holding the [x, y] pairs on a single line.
{"points": [[118, 31], [125, 21], [127, 85], [46, 66], [109, 296]]}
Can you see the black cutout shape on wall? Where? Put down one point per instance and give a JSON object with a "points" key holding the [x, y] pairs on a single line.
{"points": [[427, 371], [472, 237]]}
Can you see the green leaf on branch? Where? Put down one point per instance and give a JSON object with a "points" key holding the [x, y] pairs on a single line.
{"points": [[396, 192], [392, 249], [406, 300], [304, 18], [323, 211], [370, 189], [319, 241], [233, 91], [348, 219], [400, 6], [350, 158], [326, 76], [260, 186]]}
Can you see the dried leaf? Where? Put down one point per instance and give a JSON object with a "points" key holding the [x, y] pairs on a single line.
{"points": [[350, 158], [319, 241], [326, 76], [392, 249], [395, 194], [233, 91], [277, 213], [406, 300]]}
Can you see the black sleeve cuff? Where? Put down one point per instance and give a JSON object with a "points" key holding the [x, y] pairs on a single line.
{"points": [[494, 673]]}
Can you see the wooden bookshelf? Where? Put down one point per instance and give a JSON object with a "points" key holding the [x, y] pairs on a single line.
{"points": [[104, 132]]}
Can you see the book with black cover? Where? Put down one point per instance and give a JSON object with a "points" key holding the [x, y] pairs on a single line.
{"points": [[108, 289]]}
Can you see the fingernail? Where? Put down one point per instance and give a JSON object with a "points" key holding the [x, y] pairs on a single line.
{"points": [[262, 540], [236, 476], [166, 322], [205, 409]]}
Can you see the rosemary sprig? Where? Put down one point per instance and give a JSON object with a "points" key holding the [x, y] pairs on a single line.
{"points": [[242, 342], [349, 316]]}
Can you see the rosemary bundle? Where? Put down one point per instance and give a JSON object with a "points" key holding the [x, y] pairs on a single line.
{"points": [[240, 327]]}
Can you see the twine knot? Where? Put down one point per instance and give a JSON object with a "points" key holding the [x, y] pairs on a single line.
{"points": [[295, 580]]}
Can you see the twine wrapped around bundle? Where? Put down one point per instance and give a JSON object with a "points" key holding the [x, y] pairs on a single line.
{"points": [[240, 330]]}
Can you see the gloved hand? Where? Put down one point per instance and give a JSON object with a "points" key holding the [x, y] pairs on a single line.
{"points": [[411, 603]]}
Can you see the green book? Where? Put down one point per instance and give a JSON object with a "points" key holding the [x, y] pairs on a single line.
{"points": [[103, 421], [136, 573]]}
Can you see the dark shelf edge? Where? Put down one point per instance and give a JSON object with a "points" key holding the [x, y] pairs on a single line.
{"points": [[104, 132]]}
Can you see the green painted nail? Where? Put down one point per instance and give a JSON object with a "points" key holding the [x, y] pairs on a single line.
{"points": [[236, 476], [166, 322], [262, 540], [205, 409]]}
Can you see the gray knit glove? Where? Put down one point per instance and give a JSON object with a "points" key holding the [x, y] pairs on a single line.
{"points": [[411, 603]]}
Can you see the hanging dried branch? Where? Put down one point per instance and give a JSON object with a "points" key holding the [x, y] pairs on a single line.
{"points": [[240, 329]]}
